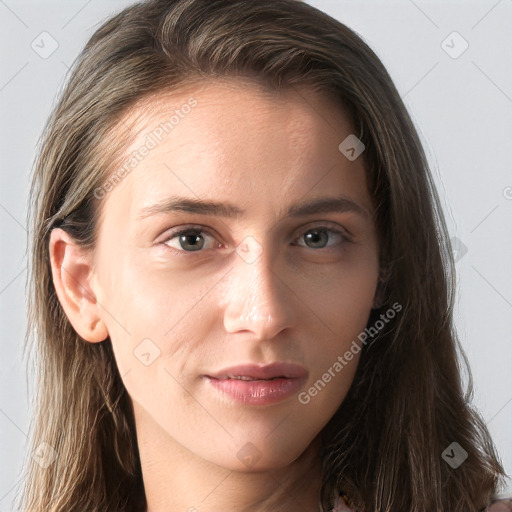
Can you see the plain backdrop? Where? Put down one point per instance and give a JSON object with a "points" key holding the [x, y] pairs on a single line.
{"points": [[451, 62]]}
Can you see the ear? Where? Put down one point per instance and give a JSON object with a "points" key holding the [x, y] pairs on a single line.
{"points": [[72, 272]]}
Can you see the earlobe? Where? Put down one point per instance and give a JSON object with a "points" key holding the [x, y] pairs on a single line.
{"points": [[72, 270]]}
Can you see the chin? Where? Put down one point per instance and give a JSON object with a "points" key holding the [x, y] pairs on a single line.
{"points": [[258, 455]]}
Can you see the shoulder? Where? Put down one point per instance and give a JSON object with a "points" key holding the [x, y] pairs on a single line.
{"points": [[501, 505]]}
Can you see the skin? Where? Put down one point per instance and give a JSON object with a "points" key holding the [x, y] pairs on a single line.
{"points": [[298, 301]]}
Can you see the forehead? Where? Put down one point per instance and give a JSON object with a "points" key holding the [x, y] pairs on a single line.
{"points": [[211, 107], [214, 139]]}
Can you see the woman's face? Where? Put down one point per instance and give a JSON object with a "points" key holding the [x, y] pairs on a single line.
{"points": [[257, 279]]}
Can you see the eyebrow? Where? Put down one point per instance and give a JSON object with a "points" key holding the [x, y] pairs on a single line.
{"points": [[226, 210]]}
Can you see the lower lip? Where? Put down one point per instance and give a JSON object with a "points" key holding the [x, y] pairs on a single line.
{"points": [[257, 392]]}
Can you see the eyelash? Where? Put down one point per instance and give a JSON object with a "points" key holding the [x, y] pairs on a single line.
{"points": [[196, 230]]}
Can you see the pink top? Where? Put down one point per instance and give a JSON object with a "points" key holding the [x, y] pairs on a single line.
{"points": [[502, 505]]}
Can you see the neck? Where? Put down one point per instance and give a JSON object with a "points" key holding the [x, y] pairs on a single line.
{"points": [[176, 479]]}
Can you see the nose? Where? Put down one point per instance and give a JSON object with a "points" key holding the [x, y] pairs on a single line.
{"points": [[259, 299]]}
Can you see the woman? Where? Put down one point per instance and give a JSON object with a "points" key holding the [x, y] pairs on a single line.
{"points": [[241, 283]]}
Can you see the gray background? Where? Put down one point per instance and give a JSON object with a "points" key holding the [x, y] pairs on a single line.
{"points": [[461, 102]]}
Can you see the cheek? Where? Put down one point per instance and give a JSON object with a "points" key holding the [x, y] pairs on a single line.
{"points": [[341, 296], [340, 309], [156, 320], [147, 299]]}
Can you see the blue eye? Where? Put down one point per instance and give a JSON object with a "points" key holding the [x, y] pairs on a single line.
{"points": [[319, 237], [194, 239]]}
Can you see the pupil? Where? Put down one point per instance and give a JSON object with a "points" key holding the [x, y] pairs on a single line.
{"points": [[317, 236], [185, 238]]}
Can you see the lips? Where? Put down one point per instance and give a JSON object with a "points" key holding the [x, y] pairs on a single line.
{"points": [[258, 384], [261, 372]]}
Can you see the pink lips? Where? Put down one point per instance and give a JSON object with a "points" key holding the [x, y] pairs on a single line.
{"points": [[259, 385]]}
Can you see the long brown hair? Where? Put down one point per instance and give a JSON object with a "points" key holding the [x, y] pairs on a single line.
{"points": [[406, 404]]}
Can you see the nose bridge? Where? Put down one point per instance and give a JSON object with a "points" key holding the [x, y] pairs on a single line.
{"points": [[257, 301]]}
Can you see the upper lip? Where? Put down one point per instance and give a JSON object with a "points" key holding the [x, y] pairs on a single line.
{"points": [[267, 371]]}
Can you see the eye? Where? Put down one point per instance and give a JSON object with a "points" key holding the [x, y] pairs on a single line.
{"points": [[194, 239], [319, 237], [189, 240]]}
